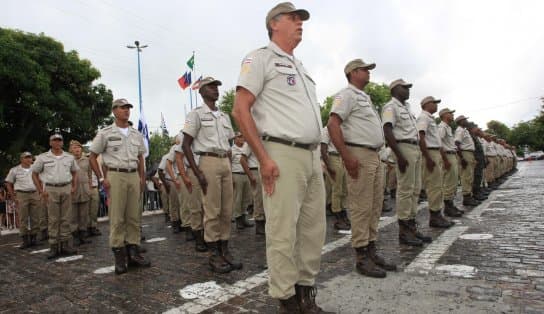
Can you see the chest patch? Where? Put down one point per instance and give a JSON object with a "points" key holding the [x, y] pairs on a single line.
{"points": [[291, 81]]}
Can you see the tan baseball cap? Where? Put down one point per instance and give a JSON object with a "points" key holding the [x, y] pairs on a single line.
{"points": [[75, 143], [460, 118], [286, 7], [26, 154], [358, 63], [55, 136], [444, 111], [400, 82], [209, 80], [120, 103], [430, 99]]}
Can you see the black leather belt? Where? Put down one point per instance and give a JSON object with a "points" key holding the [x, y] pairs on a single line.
{"points": [[254, 168], [21, 191], [334, 154], [127, 170], [289, 143], [57, 185], [433, 148], [210, 154], [452, 152], [413, 142], [238, 172], [363, 146]]}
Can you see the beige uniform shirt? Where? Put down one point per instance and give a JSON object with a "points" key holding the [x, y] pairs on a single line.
{"points": [[118, 150], [490, 149], [252, 160], [425, 122], [446, 137], [286, 104], [211, 131], [237, 153], [83, 190], [21, 178], [361, 124], [171, 156], [401, 118], [462, 136], [162, 166], [55, 169], [326, 139]]}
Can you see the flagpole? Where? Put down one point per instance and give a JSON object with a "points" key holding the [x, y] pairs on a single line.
{"points": [[194, 69]]}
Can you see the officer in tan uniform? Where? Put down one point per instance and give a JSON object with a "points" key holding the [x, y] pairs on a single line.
{"points": [[207, 132], [433, 159], [251, 168], [21, 187], [92, 229], [59, 177], [450, 169], [278, 112], [356, 131], [337, 173], [167, 178], [465, 153], [191, 198], [82, 196], [242, 185], [122, 150], [399, 125]]}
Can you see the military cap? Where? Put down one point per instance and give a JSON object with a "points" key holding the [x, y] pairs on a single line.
{"points": [[209, 80], [444, 111], [55, 136], [286, 7], [400, 82], [120, 103], [460, 118], [75, 143], [358, 63], [26, 154], [430, 99]]}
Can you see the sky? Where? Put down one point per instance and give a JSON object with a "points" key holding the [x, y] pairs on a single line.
{"points": [[482, 58]]}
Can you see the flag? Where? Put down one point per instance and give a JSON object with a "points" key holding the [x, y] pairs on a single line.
{"points": [[185, 80], [163, 125], [142, 128], [191, 62], [196, 84]]}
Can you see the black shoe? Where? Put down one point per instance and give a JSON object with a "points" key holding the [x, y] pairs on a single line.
{"points": [[200, 244], [53, 251], [406, 236], [365, 265], [26, 242], [436, 220], [120, 255], [75, 236], [260, 227], [67, 249], [189, 235], [224, 250], [216, 261], [340, 222], [377, 259], [176, 226], [418, 234], [82, 239], [469, 201], [135, 258]]}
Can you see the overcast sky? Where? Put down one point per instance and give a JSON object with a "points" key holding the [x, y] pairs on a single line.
{"points": [[482, 58]]}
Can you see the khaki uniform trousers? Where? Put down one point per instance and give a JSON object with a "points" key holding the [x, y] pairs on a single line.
{"points": [[217, 202], [490, 169], [80, 216], [29, 206], [432, 181], [173, 201], [124, 211], [328, 187], [93, 208], [409, 182], [339, 189], [258, 208], [450, 178], [242, 194], [185, 211], [59, 211], [165, 200], [365, 196], [391, 176], [194, 202], [295, 219], [467, 174], [44, 221]]}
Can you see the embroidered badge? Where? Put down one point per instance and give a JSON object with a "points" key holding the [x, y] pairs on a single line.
{"points": [[291, 80], [283, 65], [337, 101]]}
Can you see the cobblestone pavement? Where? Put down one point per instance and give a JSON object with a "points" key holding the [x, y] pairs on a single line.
{"points": [[492, 261]]}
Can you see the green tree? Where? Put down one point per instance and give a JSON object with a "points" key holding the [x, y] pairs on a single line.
{"points": [[326, 110], [379, 93], [226, 103], [159, 145], [498, 128], [43, 88]]}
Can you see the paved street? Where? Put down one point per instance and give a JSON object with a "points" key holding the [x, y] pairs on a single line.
{"points": [[491, 261]]}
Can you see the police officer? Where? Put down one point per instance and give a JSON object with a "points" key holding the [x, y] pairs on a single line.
{"points": [[59, 177], [356, 131], [465, 153], [337, 173], [479, 157], [122, 149], [433, 159], [250, 165], [81, 198], [21, 187], [450, 169], [277, 110], [207, 132], [92, 229], [167, 178], [242, 185], [399, 125]]}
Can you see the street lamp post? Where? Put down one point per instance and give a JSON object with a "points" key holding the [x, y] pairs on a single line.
{"points": [[138, 50]]}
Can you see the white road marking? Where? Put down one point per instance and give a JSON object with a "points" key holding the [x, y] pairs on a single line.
{"points": [[155, 240], [476, 236], [39, 251], [69, 258], [145, 213], [463, 271], [105, 270]]}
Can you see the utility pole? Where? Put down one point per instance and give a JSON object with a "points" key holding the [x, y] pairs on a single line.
{"points": [[138, 50]]}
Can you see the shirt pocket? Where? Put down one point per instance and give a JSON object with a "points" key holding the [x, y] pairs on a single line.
{"points": [[208, 128], [114, 146], [286, 78], [228, 129], [134, 146]]}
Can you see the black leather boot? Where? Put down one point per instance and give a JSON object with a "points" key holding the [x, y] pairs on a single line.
{"points": [[415, 230], [377, 259], [260, 227], [26, 242], [224, 249], [200, 244], [54, 251], [305, 296], [406, 236], [365, 265], [120, 255], [135, 258], [436, 220], [217, 263]]}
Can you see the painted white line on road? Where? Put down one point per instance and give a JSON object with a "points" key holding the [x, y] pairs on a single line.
{"points": [[69, 259], [463, 271], [209, 294], [39, 251], [155, 240], [145, 213], [476, 236], [105, 270]]}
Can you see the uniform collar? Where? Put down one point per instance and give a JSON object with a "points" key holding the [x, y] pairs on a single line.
{"points": [[406, 104], [50, 153], [277, 50], [356, 90], [428, 114], [207, 109]]}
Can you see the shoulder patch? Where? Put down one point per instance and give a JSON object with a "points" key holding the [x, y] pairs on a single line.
{"points": [[337, 100]]}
